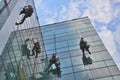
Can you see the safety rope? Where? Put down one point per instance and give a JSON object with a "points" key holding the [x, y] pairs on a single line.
{"points": [[34, 68], [88, 65], [18, 32], [31, 30], [32, 33], [26, 25], [55, 39]]}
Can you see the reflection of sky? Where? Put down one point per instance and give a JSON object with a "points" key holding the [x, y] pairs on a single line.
{"points": [[104, 15]]}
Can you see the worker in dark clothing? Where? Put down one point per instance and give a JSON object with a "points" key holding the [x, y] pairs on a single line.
{"points": [[6, 76], [25, 50], [84, 46], [36, 48], [54, 60], [27, 11]]}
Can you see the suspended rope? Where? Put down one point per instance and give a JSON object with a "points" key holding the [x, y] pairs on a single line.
{"points": [[34, 68], [10, 46], [27, 34], [55, 38], [28, 27], [17, 32], [22, 44], [86, 60]]}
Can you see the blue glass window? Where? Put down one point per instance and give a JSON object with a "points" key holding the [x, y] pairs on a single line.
{"points": [[77, 60], [67, 70], [83, 75], [74, 47], [61, 44], [62, 49], [73, 42], [63, 30], [64, 54], [67, 77], [65, 62], [80, 68], [50, 46]]}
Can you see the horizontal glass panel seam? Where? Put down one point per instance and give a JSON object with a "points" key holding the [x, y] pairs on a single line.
{"points": [[67, 32]]}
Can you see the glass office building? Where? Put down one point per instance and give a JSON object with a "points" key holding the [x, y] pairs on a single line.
{"points": [[6, 6], [12, 37], [61, 38]]}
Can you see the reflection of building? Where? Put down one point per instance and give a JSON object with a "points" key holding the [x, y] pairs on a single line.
{"points": [[61, 38]]}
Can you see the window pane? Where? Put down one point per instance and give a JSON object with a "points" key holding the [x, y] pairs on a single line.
{"points": [[77, 60], [109, 62], [75, 52], [102, 72], [62, 49], [80, 68], [61, 44], [106, 55], [49, 46], [106, 78], [98, 48], [114, 70], [48, 33], [96, 57], [65, 62], [63, 38], [73, 42], [49, 41], [67, 77], [64, 54], [97, 65], [83, 75], [58, 31], [67, 70], [116, 77]]}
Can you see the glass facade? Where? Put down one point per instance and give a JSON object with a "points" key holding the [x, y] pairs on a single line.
{"points": [[15, 63], [6, 7], [63, 39]]}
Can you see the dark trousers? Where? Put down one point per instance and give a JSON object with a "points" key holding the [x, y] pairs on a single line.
{"points": [[23, 19], [83, 50], [34, 50], [51, 63], [27, 14]]}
